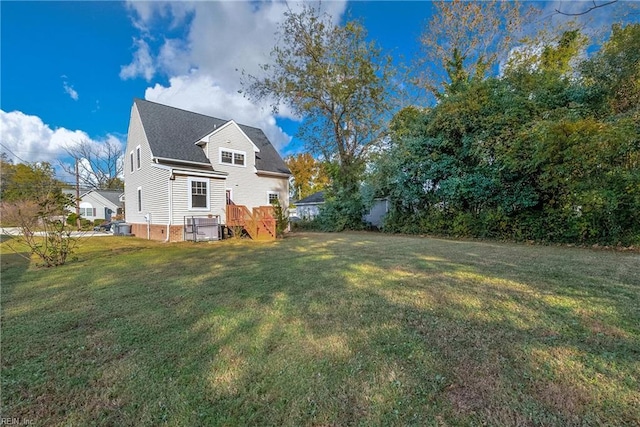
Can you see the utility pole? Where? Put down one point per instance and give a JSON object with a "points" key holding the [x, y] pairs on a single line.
{"points": [[78, 223]]}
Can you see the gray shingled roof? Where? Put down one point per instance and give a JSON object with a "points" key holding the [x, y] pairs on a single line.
{"points": [[315, 198], [172, 134], [112, 196]]}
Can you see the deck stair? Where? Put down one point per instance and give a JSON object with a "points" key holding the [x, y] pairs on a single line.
{"points": [[260, 224]]}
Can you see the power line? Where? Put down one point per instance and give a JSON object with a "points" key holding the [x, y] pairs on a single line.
{"points": [[9, 150]]}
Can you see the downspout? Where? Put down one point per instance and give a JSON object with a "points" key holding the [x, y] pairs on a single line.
{"points": [[170, 197], [147, 217]]}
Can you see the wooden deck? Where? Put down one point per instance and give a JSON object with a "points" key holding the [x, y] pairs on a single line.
{"points": [[259, 224]]}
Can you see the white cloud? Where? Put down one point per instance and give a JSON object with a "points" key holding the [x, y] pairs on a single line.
{"points": [[174, 58], [70, 90], [142, 64], [31, 140], [221, 39], [27, 138], [198, 92]]}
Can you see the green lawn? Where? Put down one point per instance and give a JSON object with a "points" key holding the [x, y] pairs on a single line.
{"points": [[323, 329]]}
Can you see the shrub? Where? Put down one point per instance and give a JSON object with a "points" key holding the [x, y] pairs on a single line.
{"points": [[282, 221], [43, 230]]}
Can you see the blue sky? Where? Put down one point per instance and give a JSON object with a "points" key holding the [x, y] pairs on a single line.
{"points": [[70, 70]]}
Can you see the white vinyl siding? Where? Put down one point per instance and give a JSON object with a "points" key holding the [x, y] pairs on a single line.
{"points": [[253, 190], [95, 206], [247, 186], [154, 181], [181, 193]]}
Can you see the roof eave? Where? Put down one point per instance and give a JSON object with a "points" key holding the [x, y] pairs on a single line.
{"points": [[183, 162], [271, 173]]}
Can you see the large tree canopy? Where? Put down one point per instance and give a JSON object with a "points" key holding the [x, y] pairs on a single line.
{"points": [[550, 152], [26, 181], [338, 81]]}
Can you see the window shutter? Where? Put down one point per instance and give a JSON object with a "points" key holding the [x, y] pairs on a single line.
{"points": [[94, 211]]}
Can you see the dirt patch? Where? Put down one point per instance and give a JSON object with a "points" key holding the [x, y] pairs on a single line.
{"points": [[474, 386]]}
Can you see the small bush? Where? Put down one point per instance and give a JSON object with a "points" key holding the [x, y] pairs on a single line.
{"points": [[72, 219], [282, 221]]}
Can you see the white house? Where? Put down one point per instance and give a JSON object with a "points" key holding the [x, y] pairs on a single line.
{"points": [[181, 165], [98, 204]]}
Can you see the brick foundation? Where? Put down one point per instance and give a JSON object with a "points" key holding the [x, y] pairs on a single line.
{"points": [[158, 232]]}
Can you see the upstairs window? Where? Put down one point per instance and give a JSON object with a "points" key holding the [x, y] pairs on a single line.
{"points": [[138, 156], [226, 157], [233, 157], [131, 160]]}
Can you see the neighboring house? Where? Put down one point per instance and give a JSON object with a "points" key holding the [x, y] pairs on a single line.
{"points": [[309, 208], [98, 204], [181, 165]]}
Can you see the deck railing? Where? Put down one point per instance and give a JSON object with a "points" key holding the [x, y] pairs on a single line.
{"points": [[259, 224]]}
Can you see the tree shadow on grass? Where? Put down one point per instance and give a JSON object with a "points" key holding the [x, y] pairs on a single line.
{"points": [[320, 330]]}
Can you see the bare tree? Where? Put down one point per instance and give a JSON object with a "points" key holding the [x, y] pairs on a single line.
{"points": [[587, 10], [100, 165], [464, 41]]}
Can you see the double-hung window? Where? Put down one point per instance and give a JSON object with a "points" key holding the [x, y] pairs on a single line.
{"points": [[198, 194], [232, 157], [272, 197]]}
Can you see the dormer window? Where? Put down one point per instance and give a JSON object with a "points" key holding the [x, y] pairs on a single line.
{"points": [[226, 157], [233, 157], [238, 159]]}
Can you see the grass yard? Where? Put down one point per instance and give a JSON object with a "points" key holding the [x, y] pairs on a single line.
{"points": [[323, 329]]}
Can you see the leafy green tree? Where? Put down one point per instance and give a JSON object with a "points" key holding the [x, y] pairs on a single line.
{"points": [[27, 181], [338, 81], [613, 74], [530, 155]]}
